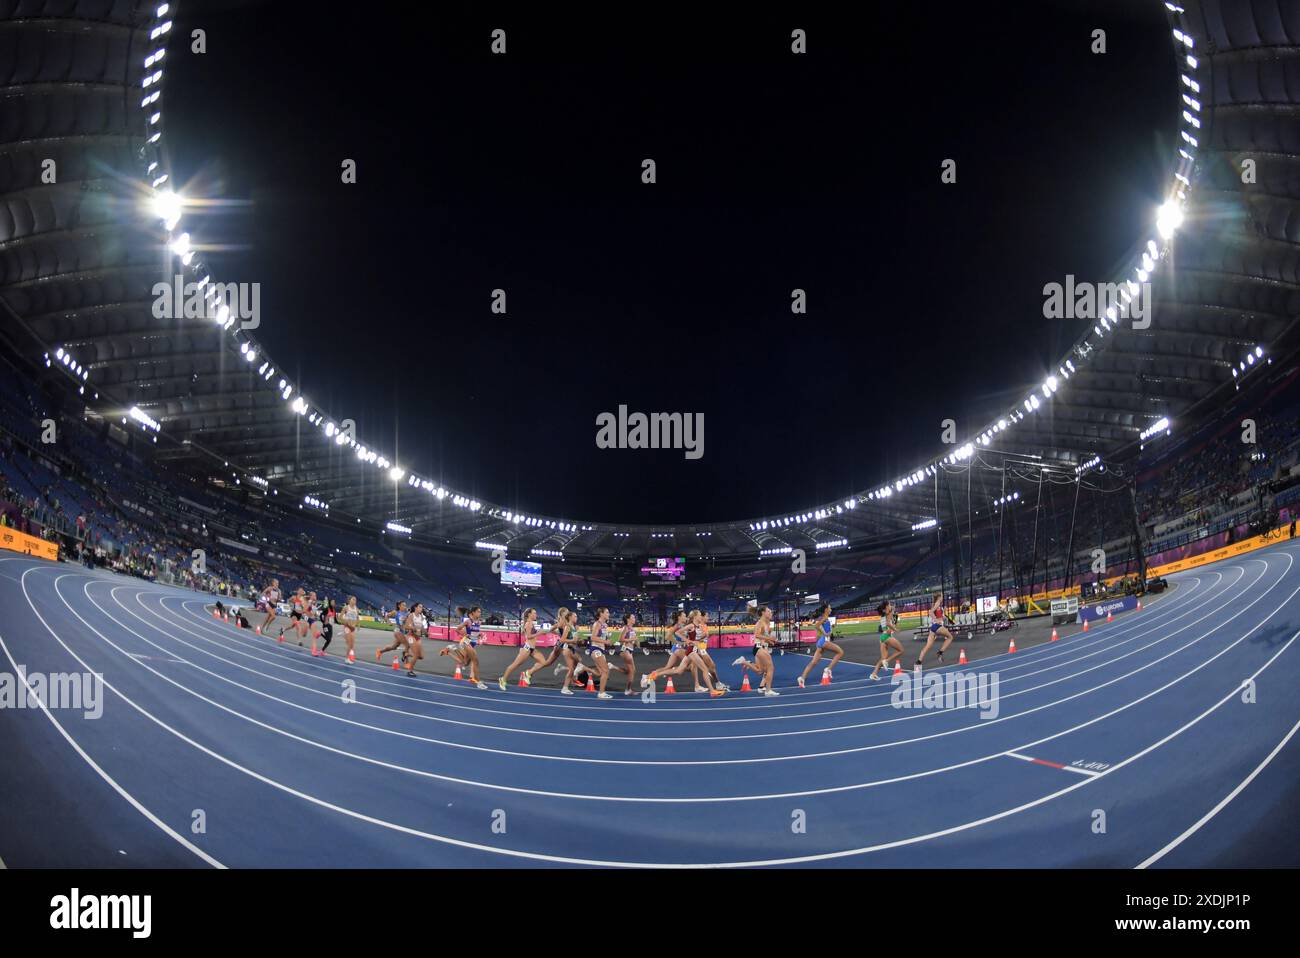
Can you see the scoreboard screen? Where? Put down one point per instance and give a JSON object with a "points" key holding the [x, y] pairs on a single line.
{"points": [[527, 575], [664, 570]]}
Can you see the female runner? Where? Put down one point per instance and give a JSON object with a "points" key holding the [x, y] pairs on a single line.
{"points": [[684, 654], [268, 603], [527, 648], [297, 607], [565, 622], [762, 663], [465, 651], [626, 645], [399, 633], [598, 648], [936, 628], [702, 648], [890, 647], [349, 617], [415, 626], [822, 623]]}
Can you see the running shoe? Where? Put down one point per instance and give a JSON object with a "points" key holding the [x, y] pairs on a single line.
{"points": [[566, 691], [875, 677], [801, 682], [410, 673], [627, 691], [502, 683], [482, 686], [379, 654], [716, 693], [770, 692], [604, 695], [699, 688], [741, 661], [528, 679], [558, 669]]}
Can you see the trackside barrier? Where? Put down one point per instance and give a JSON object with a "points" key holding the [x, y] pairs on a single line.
{"points": [[15, 541]]}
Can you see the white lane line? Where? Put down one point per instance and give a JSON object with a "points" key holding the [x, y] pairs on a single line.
{"points": [[111, 782], [1043, 761], [1226, 799], [826, 856]]}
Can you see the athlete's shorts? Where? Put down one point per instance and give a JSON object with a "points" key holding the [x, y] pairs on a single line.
{"points": [[296, 616], [596, 651], [885, 637], [262, 606], [702, 648], [822, 640], [468, 642], [935, 627]]}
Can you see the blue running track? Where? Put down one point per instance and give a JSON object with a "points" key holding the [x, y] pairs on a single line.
{"points": [[1165, 738]]}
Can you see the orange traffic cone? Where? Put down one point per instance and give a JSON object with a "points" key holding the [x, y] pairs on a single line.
{"points": [[216, 614], [826, 676], [591, 686], [1139, 608], [961, 659], [1085, 625], [898, 666], [397, 662], [459, 675], [1012, 648], [352, 656], [522, 683], [1055, 637], [259, 630], [670, 690], [744, 686], [1109, 617]]}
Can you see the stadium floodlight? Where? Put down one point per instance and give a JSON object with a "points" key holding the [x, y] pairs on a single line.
{"points": [[924, 524], [1259, 351], [398, 527], [1160, 425], [167, 207], [143, 418], [396, 473], [1168, 218]]}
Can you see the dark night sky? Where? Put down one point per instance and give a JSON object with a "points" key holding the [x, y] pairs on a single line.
{"points": [[775, 172]]}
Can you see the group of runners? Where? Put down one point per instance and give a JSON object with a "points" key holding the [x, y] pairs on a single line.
{"points": [[309, 617], [590, 659]]}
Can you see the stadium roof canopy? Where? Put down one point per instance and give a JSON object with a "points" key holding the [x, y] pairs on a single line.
{"points": [[88, 230]]}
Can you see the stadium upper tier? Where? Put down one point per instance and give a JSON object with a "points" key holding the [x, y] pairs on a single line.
{"points": [[89, 228]]}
